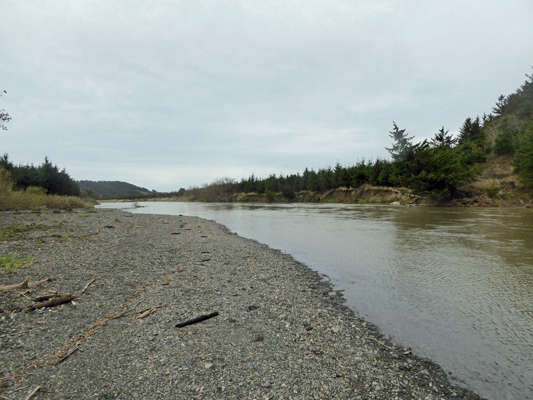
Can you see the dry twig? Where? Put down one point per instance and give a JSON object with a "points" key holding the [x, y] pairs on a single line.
{"points": [[32, 393], [145, 313], [86, 286]]}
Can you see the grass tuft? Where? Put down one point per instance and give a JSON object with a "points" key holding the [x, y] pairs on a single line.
{"points": [[10, 264], [18, 232]]}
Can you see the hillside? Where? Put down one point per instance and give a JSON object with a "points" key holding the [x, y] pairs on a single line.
{"points": [[105, 190]]}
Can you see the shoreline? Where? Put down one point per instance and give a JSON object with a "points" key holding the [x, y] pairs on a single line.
{"points": [[281, 332]]}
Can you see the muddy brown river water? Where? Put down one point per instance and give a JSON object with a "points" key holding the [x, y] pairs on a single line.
{"points": [[455, 284]]}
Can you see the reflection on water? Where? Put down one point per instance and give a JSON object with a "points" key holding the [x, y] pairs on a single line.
{"points": [[456, 285]]}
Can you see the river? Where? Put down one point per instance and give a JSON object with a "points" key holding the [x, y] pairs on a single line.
{"points": [[454, 284]]}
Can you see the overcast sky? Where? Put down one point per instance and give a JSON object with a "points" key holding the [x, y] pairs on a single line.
{"points": [[169, 94]]}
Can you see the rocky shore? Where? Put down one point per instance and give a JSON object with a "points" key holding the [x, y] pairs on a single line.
{"points": [[280, 333]]}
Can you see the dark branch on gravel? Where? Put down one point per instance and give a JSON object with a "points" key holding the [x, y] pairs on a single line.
{"points": [[197, 319]]}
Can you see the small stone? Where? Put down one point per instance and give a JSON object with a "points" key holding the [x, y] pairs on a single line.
{"points": [[258, 338], [208, 366]]}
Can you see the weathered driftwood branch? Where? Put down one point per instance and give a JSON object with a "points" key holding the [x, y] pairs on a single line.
{"points": [[44, 298], [25, 284], [33, 284], [52, 303], [21, 285], [145, 313], [197, 319]]}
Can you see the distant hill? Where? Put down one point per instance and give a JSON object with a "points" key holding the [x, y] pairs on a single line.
{"points": [[105, 190]]}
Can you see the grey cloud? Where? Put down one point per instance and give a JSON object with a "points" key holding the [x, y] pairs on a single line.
{"points": [[174, 93]]}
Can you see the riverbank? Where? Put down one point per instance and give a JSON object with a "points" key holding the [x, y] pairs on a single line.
{"points": [[483, 193], [281, 332]]}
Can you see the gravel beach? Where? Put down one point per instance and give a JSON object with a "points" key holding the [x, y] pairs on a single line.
{"points": [[280, 333]]}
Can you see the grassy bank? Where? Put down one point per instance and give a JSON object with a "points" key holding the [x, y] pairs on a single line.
{"points": [[34, 198]]}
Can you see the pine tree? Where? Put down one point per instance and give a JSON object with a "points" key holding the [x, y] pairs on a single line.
{"points": [[402, 146], [442, 138], [4, 117], [524, 157], [470, 130]]}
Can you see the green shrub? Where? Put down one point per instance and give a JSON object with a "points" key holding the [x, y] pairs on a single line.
{"points": [[524, 157], [269, 195], [288, 192]]}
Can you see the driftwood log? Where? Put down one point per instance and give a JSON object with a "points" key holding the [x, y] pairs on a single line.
{"points": [[44, 298], [25, 284], [197, 319], [52, 303]]}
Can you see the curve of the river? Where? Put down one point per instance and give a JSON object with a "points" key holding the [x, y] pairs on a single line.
{"points": [[454, 284]]}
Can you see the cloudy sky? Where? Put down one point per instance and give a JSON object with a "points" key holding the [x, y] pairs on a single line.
{"points": [[169, 94]]}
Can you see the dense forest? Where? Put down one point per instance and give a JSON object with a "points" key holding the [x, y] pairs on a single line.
{"points": [[438, 167], [48, 177]]}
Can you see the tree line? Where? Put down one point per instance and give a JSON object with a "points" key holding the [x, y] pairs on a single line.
{"points": [[47, 176], [439, 166]]}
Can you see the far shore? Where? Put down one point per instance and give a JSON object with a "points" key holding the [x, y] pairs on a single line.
{"points": [[366, 194]]}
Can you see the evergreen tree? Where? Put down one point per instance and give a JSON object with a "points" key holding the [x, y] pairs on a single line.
{"points": [[524, 157], [443, 138], [470, 130], [313, 182], [499, 108], [402, 147], [4, 117]]}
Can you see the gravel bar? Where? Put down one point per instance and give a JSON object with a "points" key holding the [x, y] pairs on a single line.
{"points": [[281, 332]]}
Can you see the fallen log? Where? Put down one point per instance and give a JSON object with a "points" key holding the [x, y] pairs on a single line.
{"points": [[197, 319], [52, 303], [44, 298]]}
